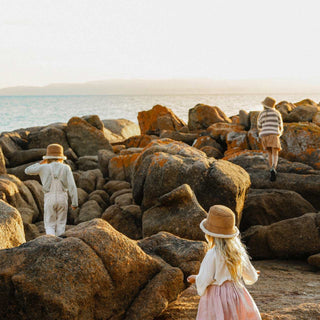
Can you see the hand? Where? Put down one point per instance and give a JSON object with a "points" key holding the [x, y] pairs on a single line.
{"points": [[73, 208], [191, 279]]}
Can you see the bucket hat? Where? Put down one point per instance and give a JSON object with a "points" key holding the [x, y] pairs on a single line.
{"points": [[220, 222], [269, 102], [54, 151]]}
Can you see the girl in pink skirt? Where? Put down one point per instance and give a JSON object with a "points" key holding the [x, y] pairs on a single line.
{"points": [[226, 264]]}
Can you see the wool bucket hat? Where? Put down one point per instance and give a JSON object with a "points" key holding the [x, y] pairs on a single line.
{"points": [[54, 151], [269, 102], [220, 223]]}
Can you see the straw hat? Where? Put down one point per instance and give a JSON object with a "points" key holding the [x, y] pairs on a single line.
{"points": [[269, 102], [54, 151], [220, 223]]}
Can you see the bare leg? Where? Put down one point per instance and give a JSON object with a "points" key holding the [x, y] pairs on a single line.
{"points": [[270, 157], [275, 157]]}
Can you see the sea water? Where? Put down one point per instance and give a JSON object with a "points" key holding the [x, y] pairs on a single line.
{"points": [[29, 111]]}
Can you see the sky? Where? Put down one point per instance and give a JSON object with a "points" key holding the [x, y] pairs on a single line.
{"points": [[63, 41]]}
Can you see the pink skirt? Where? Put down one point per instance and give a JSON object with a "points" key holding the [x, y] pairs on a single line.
{"points": [[227, 302]]}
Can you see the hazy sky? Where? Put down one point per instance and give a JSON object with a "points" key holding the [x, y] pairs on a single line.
{"points": [[44, 41]]}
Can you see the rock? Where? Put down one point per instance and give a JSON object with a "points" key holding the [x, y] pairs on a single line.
{"points": [[94, 120], [158, 118], [285, 108], [174, 209], [3, 169], [19, 196], [82, 196], [87, 163], [219, 131], [179, 136], [89, 211], [101, 197], [47, 135], [19, 172], [121, 129], [118, 148], [203, 116], [125, 199], [115, 185], [88, 180], [302, 113], [104, 157], [244, 119], [305, 102], [314, 260], [300, 142], [207, 141], [31, 231], [11, 227], [254, 140], [126, 220], [237, 141], [257, 160], [253, 116], [163, 288], [25, 156], [178, 252], [130, 151], [37, 192], [140, 141], [266, 206], [316, 118], [10, 143], [165, 165], [100, 183], [290, 238], [84, 138], [121, 167], [66, 285], [212, 152], [119, 193], [71, 155]]}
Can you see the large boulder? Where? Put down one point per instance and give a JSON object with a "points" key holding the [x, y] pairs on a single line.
{"points": [[26, 156], [120, 129], [19, 172], [10, 142], [178, 252], [291, 238], [165, 165], [157, 119], [89, 211], [314, 260], [36, 190], [88, 180], [87, 163], [19, 196], [11, 227], [303, 113], [266, 206], [126, 219], [54, 133], [121, 167], [104, 157], [172, 212], [285, 108], [203, 116], [48, 278], [84, 138], [300, 142], [185, 137]]}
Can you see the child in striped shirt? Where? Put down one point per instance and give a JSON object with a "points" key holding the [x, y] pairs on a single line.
{"points": [[270, 128]]}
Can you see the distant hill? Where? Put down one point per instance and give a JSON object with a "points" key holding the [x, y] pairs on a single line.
{"points": [[170, 86]]}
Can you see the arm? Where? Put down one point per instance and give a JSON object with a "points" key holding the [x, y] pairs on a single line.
{"points": [[259, 122], [249, 273], [33, 169], [280, 123], [72, 188], [206, 272]]}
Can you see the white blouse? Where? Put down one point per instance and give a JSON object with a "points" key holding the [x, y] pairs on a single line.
{"points": [[214, 271]]}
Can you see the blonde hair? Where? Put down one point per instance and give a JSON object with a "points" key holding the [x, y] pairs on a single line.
{"points": [[54, 160], [233, 250]]}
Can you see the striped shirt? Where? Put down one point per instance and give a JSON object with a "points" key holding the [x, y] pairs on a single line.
{"points": [[270, 122]]}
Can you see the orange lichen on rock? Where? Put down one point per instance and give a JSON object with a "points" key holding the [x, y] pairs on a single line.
{"points": [[149, 121], [220, 129], [139, 141]]}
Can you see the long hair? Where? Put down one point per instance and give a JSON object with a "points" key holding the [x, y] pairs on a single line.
{"points": [[233, 252]]}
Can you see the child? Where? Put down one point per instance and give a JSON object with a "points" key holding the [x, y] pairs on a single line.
{"points": [[270, 128], [57, 179], [219, 282]]}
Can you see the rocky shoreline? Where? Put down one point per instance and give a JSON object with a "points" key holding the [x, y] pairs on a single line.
{"points": [[143, 190]]}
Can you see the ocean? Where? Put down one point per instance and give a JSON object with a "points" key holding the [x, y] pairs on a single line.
{"points": [[30, 111]]}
